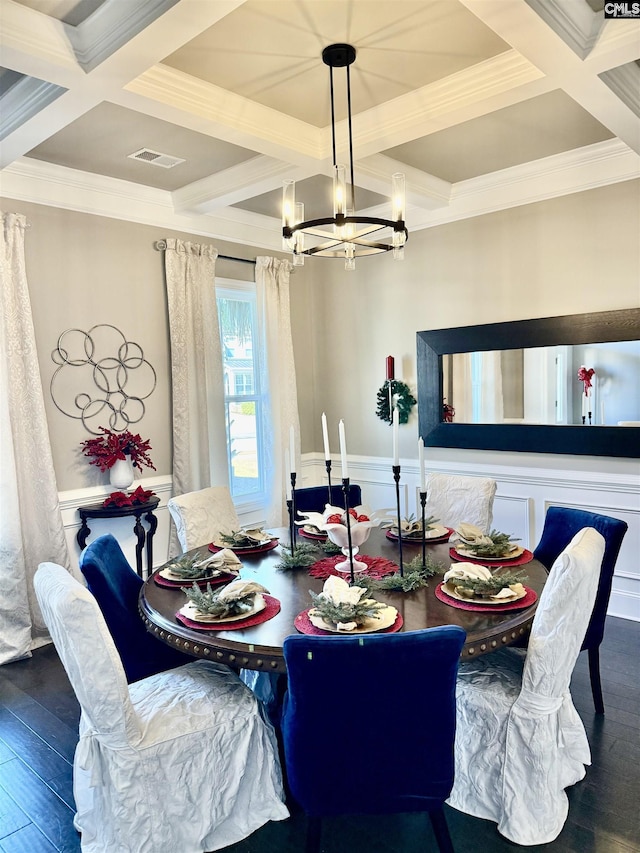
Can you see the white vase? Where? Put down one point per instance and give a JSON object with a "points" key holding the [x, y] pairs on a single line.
{"points": [[121, 473]]}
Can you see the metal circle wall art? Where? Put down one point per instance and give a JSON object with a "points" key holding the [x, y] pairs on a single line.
{"points": [[104, 360]]}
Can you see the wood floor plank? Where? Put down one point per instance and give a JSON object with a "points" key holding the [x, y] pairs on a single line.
{"points": [[12, 817], [27, 840], [60, 737], [30, 748], [46, 810]]}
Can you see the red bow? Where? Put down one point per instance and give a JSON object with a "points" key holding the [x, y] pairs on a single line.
{"points": [[584, 375]]}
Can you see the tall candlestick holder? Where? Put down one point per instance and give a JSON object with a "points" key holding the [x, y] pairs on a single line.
{"points": [[396, 477], [293, 510], [423, 503], [292, 526], [327, 465], [345, 492]]}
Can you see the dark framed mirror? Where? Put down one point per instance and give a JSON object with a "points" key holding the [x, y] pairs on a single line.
{"points": [[515, 344]]}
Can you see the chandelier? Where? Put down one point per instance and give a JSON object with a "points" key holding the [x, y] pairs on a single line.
{"points": [[345, 234]]}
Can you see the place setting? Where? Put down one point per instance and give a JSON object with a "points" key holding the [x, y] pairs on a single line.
{"points": [[346, 610], [240, 604], [471, 544], [472, 587], [411, 531], [253, 541], [221, 567]]}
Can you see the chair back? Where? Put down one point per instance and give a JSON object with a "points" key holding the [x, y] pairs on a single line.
{"points": [[201, 516], [116, 587], [342, 691], [560, 525], [562, 616], [87, 652], [315, 498], [453, 499]]}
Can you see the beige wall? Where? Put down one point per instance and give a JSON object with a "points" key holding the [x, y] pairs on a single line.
{"points": [[84, 270], [570, 255], [573, 254]]}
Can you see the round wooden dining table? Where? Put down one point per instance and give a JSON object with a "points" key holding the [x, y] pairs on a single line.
{"points": [[260, 647]]}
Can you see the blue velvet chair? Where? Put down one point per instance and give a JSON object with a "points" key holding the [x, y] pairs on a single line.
{"points": [[560, 526], [314, 498], [116, 587], [344, 695]]}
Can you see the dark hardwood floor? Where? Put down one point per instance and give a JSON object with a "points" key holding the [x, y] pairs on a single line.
{"points": [[38, 733]]}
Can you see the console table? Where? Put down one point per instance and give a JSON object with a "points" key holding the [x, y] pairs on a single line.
{"points": [[136, 510]]}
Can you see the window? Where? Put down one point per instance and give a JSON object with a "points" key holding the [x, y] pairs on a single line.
{"points": [[245, 396]]}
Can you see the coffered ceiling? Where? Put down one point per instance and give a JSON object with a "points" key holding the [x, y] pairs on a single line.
{"points": [[484, 104]]}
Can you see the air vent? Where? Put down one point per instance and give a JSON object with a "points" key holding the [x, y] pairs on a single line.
{"points": [[147, 155]]}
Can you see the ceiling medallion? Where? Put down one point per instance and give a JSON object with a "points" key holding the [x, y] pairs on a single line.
{"points": [[345, 234]]}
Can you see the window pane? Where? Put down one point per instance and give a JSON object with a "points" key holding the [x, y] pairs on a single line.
{"points": [[238, 332], [243, 440]]}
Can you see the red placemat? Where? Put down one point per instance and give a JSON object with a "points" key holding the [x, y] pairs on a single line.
{"points": [[273, 607], [378, 567], [525, 557], [305, 626], [187, 583], [240, 551], [527, 601], [412, 539]]}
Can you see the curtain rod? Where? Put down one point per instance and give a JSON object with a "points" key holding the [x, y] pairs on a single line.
{"points": [[161, 245]]}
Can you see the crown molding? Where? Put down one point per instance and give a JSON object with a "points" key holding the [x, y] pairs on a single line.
{"points": [[244, 180], [572, 172], [37, 182], [111, 26], [575, 22], [23, 101], [624, 82]]}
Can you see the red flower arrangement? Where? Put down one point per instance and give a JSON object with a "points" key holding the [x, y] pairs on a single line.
{"points": [[105, 450]]}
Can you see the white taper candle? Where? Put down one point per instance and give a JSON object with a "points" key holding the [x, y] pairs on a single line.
{"points": [[343, 450], [325, 437], [396, 423], [292, 450], [423, 483]]}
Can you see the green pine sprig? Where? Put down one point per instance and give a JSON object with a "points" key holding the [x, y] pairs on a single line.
{"points": [[345, 612], [186, 567], [303, 556], [489, 586], [330, 548], [207, 601], [414, 577], [499, 547]]}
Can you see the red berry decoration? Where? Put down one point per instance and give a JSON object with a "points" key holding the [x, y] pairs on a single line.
{"points": [[353, 513], [363, 518], [336, 518]]}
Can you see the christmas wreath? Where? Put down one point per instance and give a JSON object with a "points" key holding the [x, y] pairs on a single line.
{"points": [[403, 401]]}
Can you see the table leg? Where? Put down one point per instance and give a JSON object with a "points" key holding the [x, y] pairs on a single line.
{"points": [[153, 526], [140, 535], [81, 536]]}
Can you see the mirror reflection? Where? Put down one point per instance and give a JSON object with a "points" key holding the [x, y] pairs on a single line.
{"points": [[597, 384]]}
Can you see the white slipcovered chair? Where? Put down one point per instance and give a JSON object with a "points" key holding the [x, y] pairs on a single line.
{"points": [[453, 499], [201, 516], [519, 739], [180, 761]]}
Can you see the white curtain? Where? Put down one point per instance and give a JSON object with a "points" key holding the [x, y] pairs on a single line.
{"points": [[31, 529], [199, 432], [272, 293], [477, 388]]}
